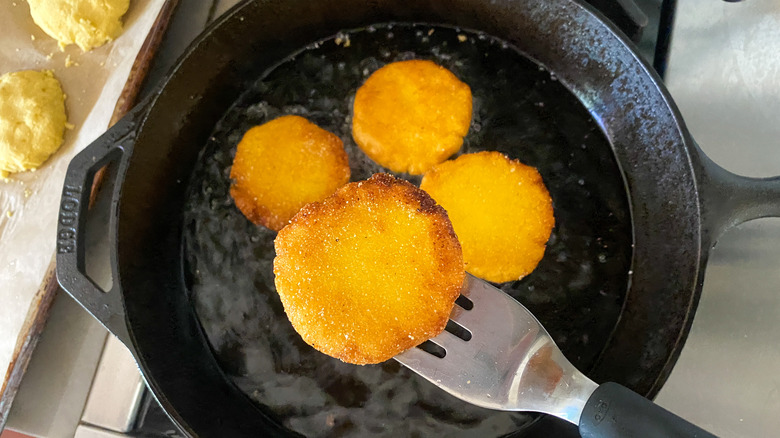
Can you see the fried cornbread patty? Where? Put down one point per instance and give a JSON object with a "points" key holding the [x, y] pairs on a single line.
{"points": [[284, 164], [369, 272], [500, 210], [409, 116]]}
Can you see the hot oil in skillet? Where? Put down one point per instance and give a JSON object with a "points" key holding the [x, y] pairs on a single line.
{"points": [[519, 109]]}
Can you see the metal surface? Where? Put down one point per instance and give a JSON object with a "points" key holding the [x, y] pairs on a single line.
{"points": [[724, 74], [53, 392], [85, 431], [510, 362], [116, 390]]}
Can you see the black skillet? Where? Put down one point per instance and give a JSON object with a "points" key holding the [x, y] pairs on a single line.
{"points": [[637, 204]]}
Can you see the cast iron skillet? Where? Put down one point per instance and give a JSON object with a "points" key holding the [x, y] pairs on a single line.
{"points": [[679, 200]]}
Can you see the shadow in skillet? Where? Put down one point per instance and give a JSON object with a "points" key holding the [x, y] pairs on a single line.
{"points": [[519, 109]]}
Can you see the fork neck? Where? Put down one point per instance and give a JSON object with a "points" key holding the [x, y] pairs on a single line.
{"points": [[555, 385]]}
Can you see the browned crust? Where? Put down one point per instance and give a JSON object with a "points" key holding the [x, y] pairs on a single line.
{"points": [[341, 168], [410, 192], [253, 211], [447, 249]]}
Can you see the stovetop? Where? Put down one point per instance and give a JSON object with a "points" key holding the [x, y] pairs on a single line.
{"points": [[697, 389]]}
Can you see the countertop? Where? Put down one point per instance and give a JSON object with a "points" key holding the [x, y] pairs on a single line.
{"points": [[724, 74]]}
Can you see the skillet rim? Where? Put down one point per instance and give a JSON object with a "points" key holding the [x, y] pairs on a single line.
{"points": [[233, 15]]}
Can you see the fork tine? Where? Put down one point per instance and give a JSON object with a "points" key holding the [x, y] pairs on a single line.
{"points": [[466, 318], [414, 357], [475, 289], [448, 341], [509, 363], [486, 300]]}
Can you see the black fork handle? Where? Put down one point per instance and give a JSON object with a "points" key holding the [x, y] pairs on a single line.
{"points": [[614, 411], [113, 147]]}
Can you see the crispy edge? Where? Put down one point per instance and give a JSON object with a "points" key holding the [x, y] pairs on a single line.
{"points": [[256, 213], [446, 246]]}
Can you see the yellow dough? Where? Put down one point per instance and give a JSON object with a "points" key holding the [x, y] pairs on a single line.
{"points": [[88, 23], [32, 119]]}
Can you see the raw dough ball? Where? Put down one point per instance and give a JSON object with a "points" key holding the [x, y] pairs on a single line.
{"points": [[500, 210], [411, 115], [32, 119], [369, 272], [88, 23]]}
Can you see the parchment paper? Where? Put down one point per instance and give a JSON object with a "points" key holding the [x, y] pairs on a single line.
{"points": [[92, 84]]}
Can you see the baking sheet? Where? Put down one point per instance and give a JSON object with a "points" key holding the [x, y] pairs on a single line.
{"points": [[29, 201]]}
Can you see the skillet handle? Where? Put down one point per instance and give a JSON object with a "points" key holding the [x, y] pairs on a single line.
{"points": [[112, 148], [728, 199], [614, 411]]}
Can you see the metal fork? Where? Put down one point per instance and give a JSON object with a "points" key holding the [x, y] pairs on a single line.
{"points": [[502, 358]]}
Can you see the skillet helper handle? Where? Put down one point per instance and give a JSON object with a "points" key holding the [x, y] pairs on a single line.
{"points": [[111, 148], [614, 411], [729, 199]]}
